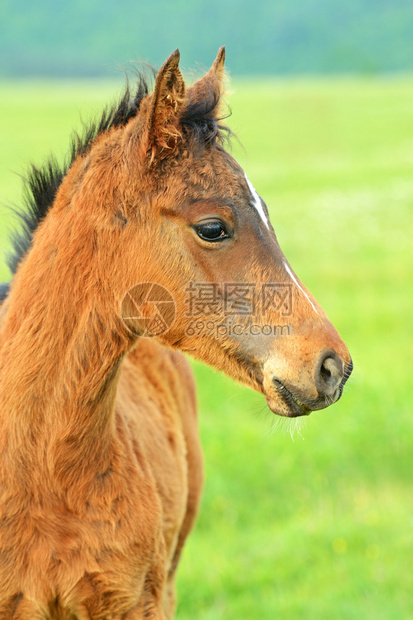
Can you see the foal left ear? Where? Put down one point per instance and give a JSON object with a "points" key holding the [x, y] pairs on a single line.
{"points": [[167, 101]]}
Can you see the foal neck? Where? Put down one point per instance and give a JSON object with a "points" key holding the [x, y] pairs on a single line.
{"points": [[62, 343]]}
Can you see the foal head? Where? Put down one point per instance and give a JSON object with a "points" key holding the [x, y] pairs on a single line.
{"points": [[172, 207]]}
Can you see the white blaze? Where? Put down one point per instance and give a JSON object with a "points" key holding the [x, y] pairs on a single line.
{"points": [[257, 201], [258, 206], [294, 279]]}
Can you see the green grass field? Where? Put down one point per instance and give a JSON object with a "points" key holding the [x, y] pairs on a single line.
{"points": [[319, 528]]}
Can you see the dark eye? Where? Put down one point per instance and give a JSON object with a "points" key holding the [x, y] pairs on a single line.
{"points": [[212, 231]]}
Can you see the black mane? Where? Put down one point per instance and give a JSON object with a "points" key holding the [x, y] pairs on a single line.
{"points": [[41, 184]]}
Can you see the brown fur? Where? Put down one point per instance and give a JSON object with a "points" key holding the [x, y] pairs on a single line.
{"points": [[101, 468]]}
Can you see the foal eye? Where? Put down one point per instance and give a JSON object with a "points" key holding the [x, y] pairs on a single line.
{"points": [[212, 231]]}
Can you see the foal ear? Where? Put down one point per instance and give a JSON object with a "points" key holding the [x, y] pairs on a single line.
{"points": [[167, 101], [218, 65], [210, 87]]}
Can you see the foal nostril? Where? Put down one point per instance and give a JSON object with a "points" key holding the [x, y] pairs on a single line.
{"points": [[330, 374]]}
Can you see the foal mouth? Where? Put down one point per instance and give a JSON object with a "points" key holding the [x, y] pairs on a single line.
{"points": [[295, 406], [292, 406]]}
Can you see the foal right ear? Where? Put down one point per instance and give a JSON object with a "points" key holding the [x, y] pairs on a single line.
{"points": [[210, 87], [162, 131]]}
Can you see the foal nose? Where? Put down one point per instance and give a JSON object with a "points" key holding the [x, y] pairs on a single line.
{"points": [[329, 374]]}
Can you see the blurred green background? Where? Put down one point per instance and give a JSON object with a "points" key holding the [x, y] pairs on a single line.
{"points": [[54, 37], [319, 526]]}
